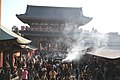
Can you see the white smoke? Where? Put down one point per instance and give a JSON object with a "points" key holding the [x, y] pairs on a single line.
{"points": [[79, 40]]}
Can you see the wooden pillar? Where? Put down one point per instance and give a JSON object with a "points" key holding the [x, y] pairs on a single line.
{"points": [[11, 59], [1, 59], [4, 58]]}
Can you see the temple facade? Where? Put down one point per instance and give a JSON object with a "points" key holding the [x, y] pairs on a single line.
{"points": [[113, 40], [46, 25]]}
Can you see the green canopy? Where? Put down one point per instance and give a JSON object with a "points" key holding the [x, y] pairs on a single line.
{"points": [[6, 34]]}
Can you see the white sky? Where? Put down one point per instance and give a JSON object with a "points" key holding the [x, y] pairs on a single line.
{"points": [[105, 13]]}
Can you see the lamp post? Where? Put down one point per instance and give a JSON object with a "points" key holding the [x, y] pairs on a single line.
{"points": [[0, 10], [1, 54]]}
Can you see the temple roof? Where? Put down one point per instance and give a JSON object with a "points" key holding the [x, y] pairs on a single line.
{"points": [[106, 53], [6, 34], [66, 14]]}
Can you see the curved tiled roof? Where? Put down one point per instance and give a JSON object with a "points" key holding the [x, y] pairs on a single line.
{"points": [[6, 34], [55, 13], [106, 53]]}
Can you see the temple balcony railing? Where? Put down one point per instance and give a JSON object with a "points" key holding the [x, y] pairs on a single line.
{"points": [[40, 33], [42, 29], [47, 33]]}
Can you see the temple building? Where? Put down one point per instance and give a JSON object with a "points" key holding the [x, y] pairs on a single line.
{"points": [[10, 44], [46, 25], [113, 40]]}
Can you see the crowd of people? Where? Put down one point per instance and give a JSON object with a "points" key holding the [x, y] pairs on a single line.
{"points": [[38, 67]]}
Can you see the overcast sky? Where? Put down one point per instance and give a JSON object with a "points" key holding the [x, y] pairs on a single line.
{"points": [[105, 13]]}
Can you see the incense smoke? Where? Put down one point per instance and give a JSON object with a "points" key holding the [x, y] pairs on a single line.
{"points": [[78, 40]]}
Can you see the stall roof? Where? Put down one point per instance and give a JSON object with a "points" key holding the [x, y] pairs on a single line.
{"points": [[31, 47], [106, 53], [6, 34]]}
